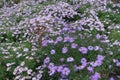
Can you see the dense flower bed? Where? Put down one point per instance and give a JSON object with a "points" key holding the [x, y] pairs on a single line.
{"points": [[60, 40]]}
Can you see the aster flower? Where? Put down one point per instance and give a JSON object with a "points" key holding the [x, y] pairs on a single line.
{"points": [[70, 59], [71, 40], [118, 64], [98, 62], [50, 41], [59, 68], [100, 57], [47, 60], [25, 49], [66, 39], [80, 28], [44, 43], [64, 50], [52, 71], [81, 67], [96, 48], [98, 36], [83, 50], [96, 76], [90, 48], [59, 38], [51, 65], [112, 78], [66, 71], [90, 69], [83, 60], [93, 64], [73, 45], [29, 71], [52, 51]]}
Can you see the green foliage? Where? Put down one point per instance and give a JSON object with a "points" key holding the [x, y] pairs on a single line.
{"points": [[83, 8], [115, 18]]}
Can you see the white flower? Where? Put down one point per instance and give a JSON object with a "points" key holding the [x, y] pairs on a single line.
{"points": [[26, 50], [29, 71], [52, 51], [22, 63], [34, 78], [70, 59]]}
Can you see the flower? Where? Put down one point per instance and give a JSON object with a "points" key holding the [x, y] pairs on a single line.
{"points": [[50, 41], [71, 40], [98, 62], [32, 21], [66, 39], [118, 64], [83, 50], [112, 78], [90, 48], [59, 38], [80, 28], [52, 71], [29, 71], [70, 59], [59, 68], [52, 51], [93, 64], [73, 45], [98, 36], [83, 60], [96, 48], [81, 67], [26, 50], [44, 43], [51, 65], [96, 76], [64, 50], [66, 71], [100, 57], [90, 69], [47, 60]]}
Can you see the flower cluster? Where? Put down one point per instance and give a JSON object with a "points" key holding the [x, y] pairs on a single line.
{"points": [[60, 40]]}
